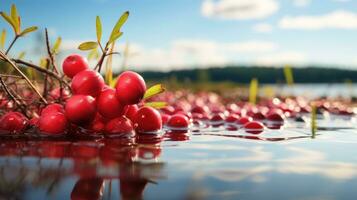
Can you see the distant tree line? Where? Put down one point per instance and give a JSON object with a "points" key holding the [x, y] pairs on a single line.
{"points": [[242, 74]]}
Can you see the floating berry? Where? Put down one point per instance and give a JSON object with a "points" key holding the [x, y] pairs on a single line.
{"points": [[108, 105], [147, 119], [274, 121], [199, 109], [52, 108], [217, 119], [178, 121], [87, 82], [13, 122], [232, 118], [254, 127], [120, 126], [130, 87], [53, 123], [258, 116], [74, 64], [130, 111], [243, 120], [80, 109]]}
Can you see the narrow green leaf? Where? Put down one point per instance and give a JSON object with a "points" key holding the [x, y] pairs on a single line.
{"points": [[288, 72], [115, 37], [108, 67], [2, 39], [21, 55], [15, 18], [154, 90], [9, 20], [28, 30], [93, 54], [156, 105], [56, 46], [43, 62], [119, 24], [253, 91], [313, 122], [98, 25], [85, 46]]}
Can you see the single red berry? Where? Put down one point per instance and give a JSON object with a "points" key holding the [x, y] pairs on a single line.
{"points": [[130, 111], [178, 121], [147, 119], [232, 118], [80, 109], [274, 121], [74, 64], [119, 126], [254, 127], [199, 109], [217, 119], [275, 117], [108, 105], [56, 93], [98, 124], [258, 116], [165, 118], [52, 108], [243, 120], [14, 122], [130, 87], [87, 82], [53, 123]]}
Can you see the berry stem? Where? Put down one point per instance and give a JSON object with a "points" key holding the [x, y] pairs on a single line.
{"points": [[50, 54], [12, 43]]}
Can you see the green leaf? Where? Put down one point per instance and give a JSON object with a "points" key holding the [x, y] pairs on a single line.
{"points": [[21, 55], [154, 90], [156, 104], [119, 24], [43, 62], [2, 39], [98, 25], [9, 20], [85, 46], [313, 122], [253, 91], [288, 72], [93, 54], [115, 37], [56, 46], [28, 30], [15, 18]]}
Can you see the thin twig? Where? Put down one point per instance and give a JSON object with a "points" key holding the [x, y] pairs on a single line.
{"points": [[12, 43], [46, 80], [12, 97], [23, 75], [50, 54]]}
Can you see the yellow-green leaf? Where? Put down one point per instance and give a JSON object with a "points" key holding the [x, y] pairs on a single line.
{"points": [[21, 55], [9, 20], [154, 90], [93, 54], [2, 39], [98, 25], [108, 67], [119, 24], [156, 105], [85, 46], [43, 62], [253, 91], [313, 121], [115, 37], [15, 18], [56, 46], [288, 72], [28, 30]]}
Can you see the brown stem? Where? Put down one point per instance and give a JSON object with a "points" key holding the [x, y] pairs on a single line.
{"points": [[46, 80], [50, 54], [12, 43], [23, 75], [12, 97]]}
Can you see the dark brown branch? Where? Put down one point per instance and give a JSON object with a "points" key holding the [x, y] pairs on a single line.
{"points": [[50, 54], [12, 43]]}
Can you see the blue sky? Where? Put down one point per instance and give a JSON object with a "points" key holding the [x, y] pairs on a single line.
{"points": [[171, 34]]}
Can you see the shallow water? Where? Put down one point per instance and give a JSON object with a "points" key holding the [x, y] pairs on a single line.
{"points": [[205, 163]]}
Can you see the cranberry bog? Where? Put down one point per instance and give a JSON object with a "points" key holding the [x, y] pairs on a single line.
{"points": [[78, 131]]}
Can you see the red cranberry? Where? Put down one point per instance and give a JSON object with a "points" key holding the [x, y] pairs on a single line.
{"points": [[254, 127], [80, 109], [199, 109], [243, 120], [130, 111], [98, 124], [52, 108], [53, 123], [87, 82], [130, 87], [165, 118], [232, 118], [56, 93], [217, 119], [74, 64], [274, 121], [13, 122], [119, 126], [178, 121], [147, 119], [258, 116], [108, 105]]}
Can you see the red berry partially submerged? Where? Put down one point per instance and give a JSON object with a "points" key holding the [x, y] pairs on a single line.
{"points": [[74, 64], [274, 121], [53, 123], [217, 119], [14, 122], [80, 109], [87, 82], [108, 105], [254, 127], [147, 119], [120, 126], [130, 87], [243, 120], [232, 118], [130, 111], [178, 121]]}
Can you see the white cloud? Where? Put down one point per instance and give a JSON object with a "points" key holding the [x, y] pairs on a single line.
{"points": [[239, 9], [282, 58], [338, 19], [263, 28], [342, 1], [301, 3]]}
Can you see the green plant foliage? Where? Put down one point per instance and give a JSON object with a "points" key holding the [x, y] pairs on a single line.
{"points": [[28, 30], [85, 46], [253, 91], [156, 105], [154, 90], [2, 39], [98, 25], [56, 46], [118, 26]]}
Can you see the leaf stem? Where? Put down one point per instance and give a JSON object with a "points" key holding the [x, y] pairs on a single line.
{"points": [[12, 43]]}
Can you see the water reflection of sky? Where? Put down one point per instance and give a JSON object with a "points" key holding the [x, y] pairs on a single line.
{"points": [[204, 167]]}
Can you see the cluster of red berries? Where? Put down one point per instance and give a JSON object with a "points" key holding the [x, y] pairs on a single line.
{"points": [[93, 105]]}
